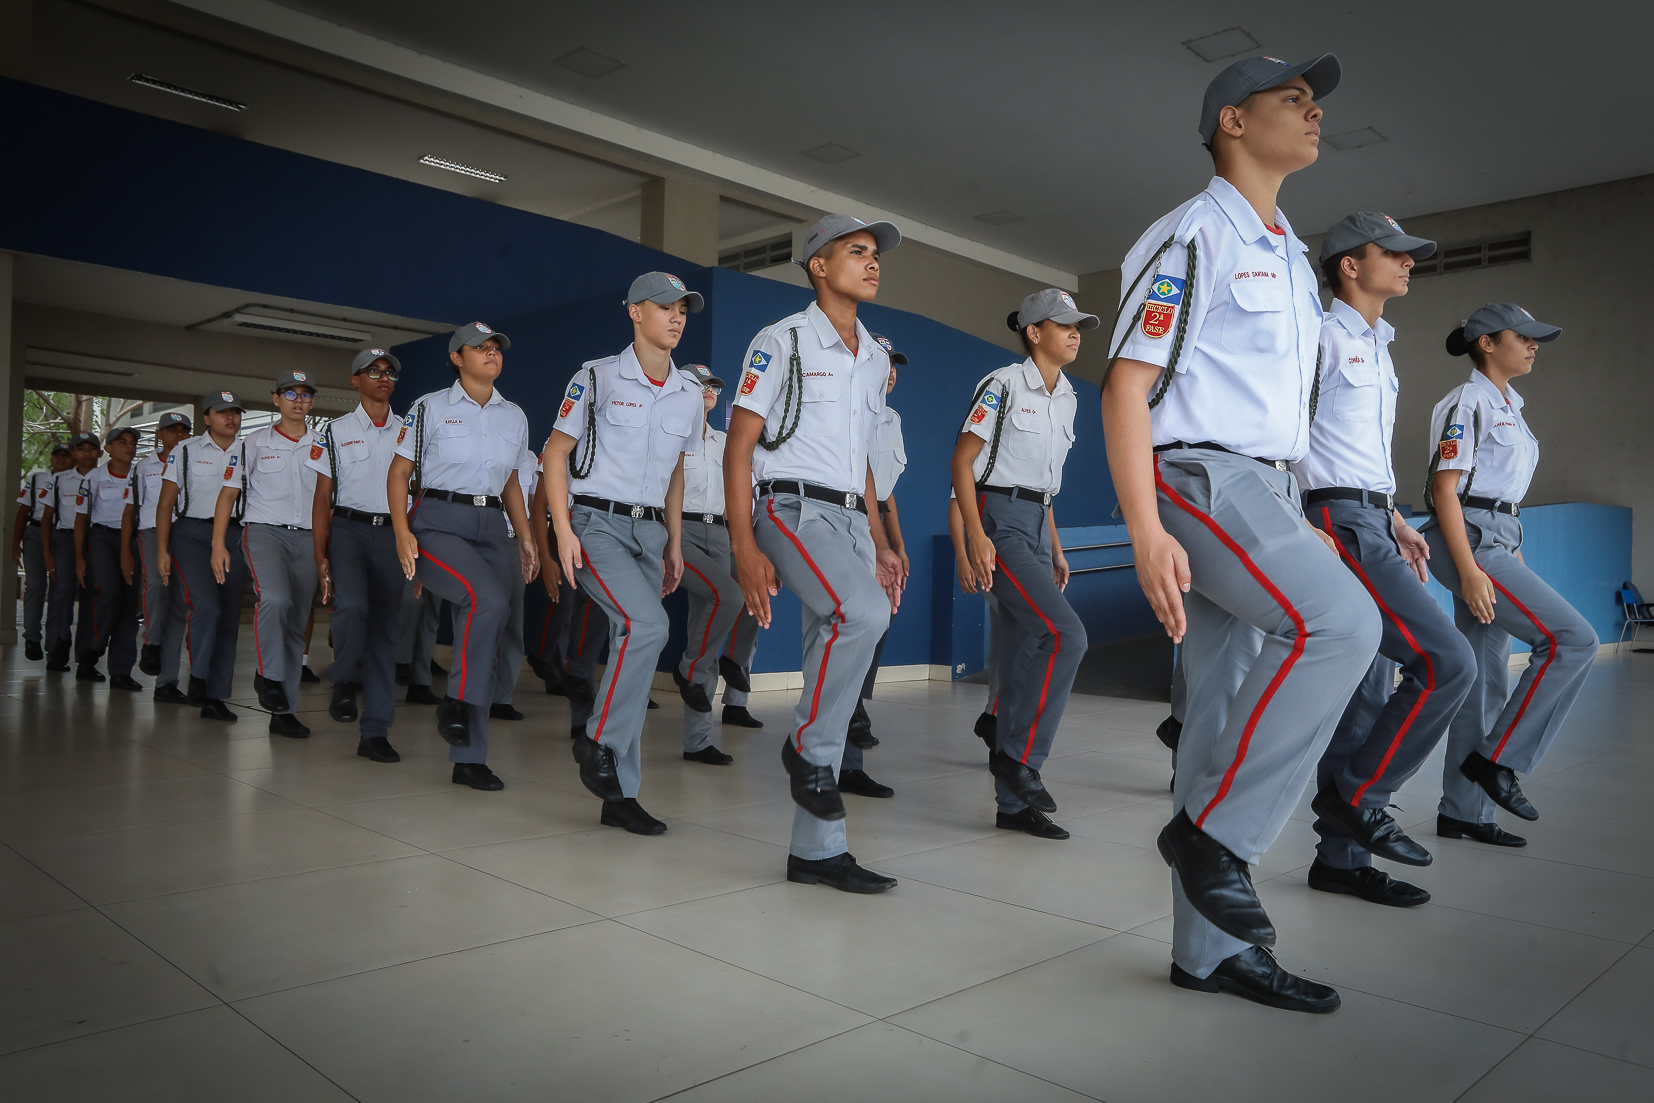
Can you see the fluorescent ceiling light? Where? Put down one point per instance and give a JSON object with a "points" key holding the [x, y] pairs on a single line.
{"points": [[187, 93], [589, 63], [464, 170], [1000, 218], [1355, 139], [830, 154], [1225, 43], [298, 326]]}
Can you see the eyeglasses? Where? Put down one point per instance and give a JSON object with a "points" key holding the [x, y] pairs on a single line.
{"points": [[377, 374], [296, 396]]}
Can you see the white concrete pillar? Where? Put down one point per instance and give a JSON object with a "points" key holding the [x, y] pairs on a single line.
{"points": [[682, 219]]}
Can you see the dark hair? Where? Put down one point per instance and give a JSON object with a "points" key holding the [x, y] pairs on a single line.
{"points": [[1021, 331], [1332, 270], [1458, 346]]}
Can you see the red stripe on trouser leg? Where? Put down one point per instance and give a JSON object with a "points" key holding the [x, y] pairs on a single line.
{"points": [[1280, 599], [619, 661], [189, 618], [706, 636], [546, 627], [1050, 663], [1429, 667], [258, 653], [838, 618], [585, 615], [464, 643], [1527, 698]]}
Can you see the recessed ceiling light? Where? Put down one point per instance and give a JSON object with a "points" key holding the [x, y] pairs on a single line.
{"points": [[1000, 218], [464, 170], [830, 154], [187, 93], [589, 63], [1225, 43], [1355, 139]]}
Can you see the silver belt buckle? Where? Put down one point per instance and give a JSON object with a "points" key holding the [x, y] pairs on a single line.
{"points": [[637, 511], [1390, 502], [1280, 465], [479, 499], [376, 520], [849, 501], [1515, 510], [706, 518], [1047, 498]]}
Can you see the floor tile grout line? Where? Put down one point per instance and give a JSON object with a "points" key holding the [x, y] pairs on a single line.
{"points": [[234, 1010]]}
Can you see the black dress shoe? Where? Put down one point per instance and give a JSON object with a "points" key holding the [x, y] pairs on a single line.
{"points": [[710, 755], [435, 669], [285, 723], [840, 871], [404, 674], [629, 814], [33, 653], [271, 696], [599, 772], [477, 776], [1372, 885], [216, 710], [693, 693], [1217, 883], [503, 711], [577, 731], [198, 691], [579, 690], [170, 694], [378, 749], [860, 732], [987, 730], [453, 722], [857, 782], [1169, 733], [308, 676], [86, 672], [1491, 833], [554, 685], [814, 788], [537, 665], [57, 660], [421, 695], [126, 682], [738, 716], [343, 706], [1031, 820], [149, 659], [653, 704], [1253, 974], [733, 674], [1499, 783], [1021, 779], [1374, 828]]}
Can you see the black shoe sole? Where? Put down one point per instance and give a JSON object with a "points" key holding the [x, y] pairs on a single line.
{"points": [[1345, 890], [360, 753], [493, 785], [655, 828], [1451, 833], [1035, 834], [1197, 984], [798, 877]]}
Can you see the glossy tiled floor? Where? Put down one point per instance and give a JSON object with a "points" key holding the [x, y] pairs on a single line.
{"points": [[197, 911]]}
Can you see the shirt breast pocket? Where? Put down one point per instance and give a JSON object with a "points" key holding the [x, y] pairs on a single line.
{"points": [[353, 453], [1507, 436], [822, 388], [1026, 435], [1258, 320], [452, 444], [1357, 398], [269, 465]]}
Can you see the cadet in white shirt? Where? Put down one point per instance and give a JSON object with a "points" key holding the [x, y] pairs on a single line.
{"points": [[1483, 460], [461, 449], [715, 602], [355, 550], [196, 470], [27, 545], [1348, 484], [1208, 400], [508, 658], [104, 560], [163, 605], [1007, 470], [812, 388], [69, 597], [614, 485]]}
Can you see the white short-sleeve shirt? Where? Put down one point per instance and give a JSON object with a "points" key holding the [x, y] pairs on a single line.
{"points": [[1247, 363], [146, 488], [209, 469], [69, 492], [703, 476], [469, 449], [1475, 428], [889, 453], [1355, 419], [356, 454], [36, 492], [107, 496], [278, 485], [642, 428], [842, 396], [1038, 428]]}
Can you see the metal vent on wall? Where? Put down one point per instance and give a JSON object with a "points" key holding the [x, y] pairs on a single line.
{"points": [[763, 254], [1504, 249]]}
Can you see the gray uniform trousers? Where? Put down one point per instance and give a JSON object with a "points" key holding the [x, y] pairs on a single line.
{"points": [[466, 559], [551, 640], [213, 608], [367, 583], [1279, 633], [117, 601], [1383, 737], [283, 564], [621, 573], [588, 631], [508, 657], [1517, 731], [825, 554], [67, 599], [741, 646], [715, 602], [416, 626], [852, 759], [165, 613], [36, 583], [1042, 640]]}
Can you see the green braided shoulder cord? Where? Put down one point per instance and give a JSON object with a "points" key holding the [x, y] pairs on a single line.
{"points": [[1315, 387], [1182, 326], [583, 468], [181, 505], [1435, 460], [795, 385], [999, 425], [419, 448], [239, 510], [332, 467], [1125, 298]]}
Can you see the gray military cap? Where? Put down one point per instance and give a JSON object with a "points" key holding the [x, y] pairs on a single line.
{"points": [[474, 335], [665, 289], [1254, 74], [171, 418], [834, 226], [214, 401], [123, 431], [1057, 306], [60, 446], [1358, 229], [897, 358], [294, 379], [1496, 317], [702, 375], [85, 438], [364, 360]]}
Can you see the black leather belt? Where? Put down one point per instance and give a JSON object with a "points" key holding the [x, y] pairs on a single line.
{"points": [[884, 508], [625, 509], [32, 524], [106, 528], [1494, 504], [1279, 465], [1375, 498], [199, 520], [375, 519], [707, 518], [481, 501], [1018, 493], [845, 498]]}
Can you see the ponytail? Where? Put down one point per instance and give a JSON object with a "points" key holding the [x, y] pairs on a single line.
{"points": [[1021, 331]]}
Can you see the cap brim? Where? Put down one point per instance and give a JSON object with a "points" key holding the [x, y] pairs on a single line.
{"points": [[1539, 331], [1416, 247], [1077, 317], [1323, 75], [396, 365], [696, 302], [505, 342], [885, 237], [899, 359]]}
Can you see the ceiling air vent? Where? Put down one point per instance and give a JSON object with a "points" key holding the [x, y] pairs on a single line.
{"points": [[187, 93], [258, 320], [1503, 249], [762, 254]]}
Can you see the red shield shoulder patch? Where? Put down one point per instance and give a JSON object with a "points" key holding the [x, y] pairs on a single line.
{"points": [[978, 414], [1158, 319], [1449, 449], [563, 410], [401, 433], [316, 451], [749, 382]]}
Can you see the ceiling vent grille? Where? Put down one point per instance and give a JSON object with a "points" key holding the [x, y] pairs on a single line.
{"points": [[1504, 249], [187, 93], [763, 254]]}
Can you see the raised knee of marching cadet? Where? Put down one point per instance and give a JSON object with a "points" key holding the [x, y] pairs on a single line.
{"points": [[1353, 626], [1454, 663], [866, 616], [650, 627]]}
